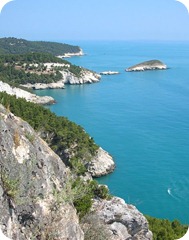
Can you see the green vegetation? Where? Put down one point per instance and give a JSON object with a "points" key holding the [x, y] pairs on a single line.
{"points": [[163, 229], [10, 186], [15, 77], [30, 137], [67, 139], [81, 193], [83, 203], [16, 69], [20, 46], [30, 58]]}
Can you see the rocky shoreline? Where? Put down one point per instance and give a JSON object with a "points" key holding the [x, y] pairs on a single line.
{"points": [[42, 86], [85, 77], [109, 73], [101, 164], [30, 97], [122, 220], [69, 54]]}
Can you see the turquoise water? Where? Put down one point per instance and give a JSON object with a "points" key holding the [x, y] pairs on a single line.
{"points": [[141, 118]]}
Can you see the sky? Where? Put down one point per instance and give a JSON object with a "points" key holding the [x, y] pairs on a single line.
{"points": [[64, 20]]}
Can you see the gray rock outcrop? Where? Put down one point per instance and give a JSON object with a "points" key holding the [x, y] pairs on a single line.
{"points": [[30, 97], [85, 77], [123, 221], [68, 55], [148, 65], [30, 175], [109, 73], [41, 86], [101, 164]]}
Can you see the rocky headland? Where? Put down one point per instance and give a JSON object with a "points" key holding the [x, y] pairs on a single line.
{"points": [[101, 164], [122, 220], [85, 76], [69, 54], [19, 93], [148, 65]]}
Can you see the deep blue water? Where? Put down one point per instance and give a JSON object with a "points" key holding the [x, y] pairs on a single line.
{"points": [[142, 119]]}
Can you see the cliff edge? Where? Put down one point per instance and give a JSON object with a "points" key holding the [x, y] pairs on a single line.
{"points": [[30, 174], [20, 93]]}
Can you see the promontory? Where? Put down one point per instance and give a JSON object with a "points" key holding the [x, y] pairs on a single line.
{"points": [[147, 65]]}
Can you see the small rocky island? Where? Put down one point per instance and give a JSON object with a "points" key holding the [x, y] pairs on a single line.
{"points": [[109, 73], [147, 65]]}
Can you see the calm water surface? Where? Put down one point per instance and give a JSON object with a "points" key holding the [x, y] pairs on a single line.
{"points": [[141, 118]]}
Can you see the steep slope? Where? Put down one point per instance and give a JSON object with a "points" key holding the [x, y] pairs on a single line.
{"points": [[30, 174], [74, 146], [35, 198]]}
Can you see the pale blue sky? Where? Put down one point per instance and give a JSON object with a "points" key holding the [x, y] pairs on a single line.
{"points": [[95, 20]]}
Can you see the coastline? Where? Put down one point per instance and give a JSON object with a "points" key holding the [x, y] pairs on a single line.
{"points": [[69, 54], [147, 82], [143, 106], [30, 97]]}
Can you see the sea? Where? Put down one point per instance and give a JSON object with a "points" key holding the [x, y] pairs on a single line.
{"points": [[140, 118]]}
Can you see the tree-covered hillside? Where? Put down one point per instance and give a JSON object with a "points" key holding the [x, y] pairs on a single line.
{"points": [[30, 58], [16, 69], [19, 46]]}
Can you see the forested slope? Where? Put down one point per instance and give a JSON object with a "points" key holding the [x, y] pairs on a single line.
{"points": [[19, 46]]}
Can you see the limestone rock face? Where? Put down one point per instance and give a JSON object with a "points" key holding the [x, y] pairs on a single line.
{"points": [[41, 86], [122, 220], [30, 175], [148, 65], [86, 76], [67, 78], [68, 55], [19, 93], [101, 164]]}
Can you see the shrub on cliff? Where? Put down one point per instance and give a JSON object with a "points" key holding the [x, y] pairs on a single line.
{"points": [[83, 200]]}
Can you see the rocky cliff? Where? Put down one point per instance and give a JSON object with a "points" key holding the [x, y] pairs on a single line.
{"points": [[69, 54], [19, 93], [32, 177], [30, 174], [123, 221], [101, 164], [85, 76]]}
